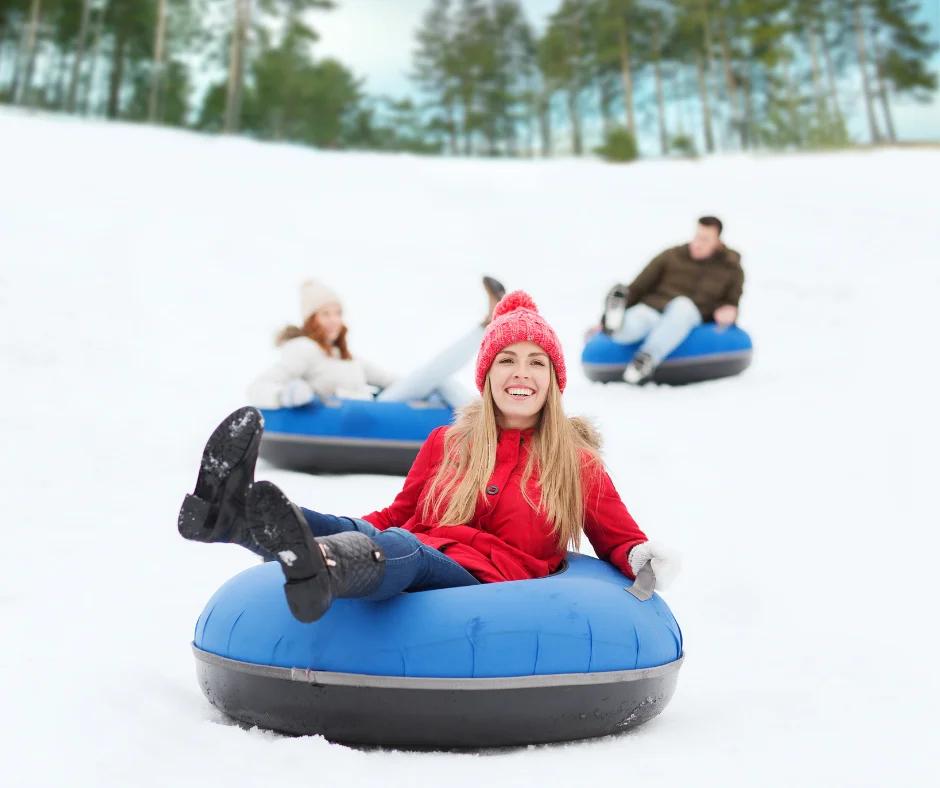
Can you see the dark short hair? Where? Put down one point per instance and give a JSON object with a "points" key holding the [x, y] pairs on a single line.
{"points": [[712, 221]]}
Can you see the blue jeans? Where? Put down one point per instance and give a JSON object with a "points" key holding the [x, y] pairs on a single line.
{"points": [[409, 564], [661, 332], [436, 376]]}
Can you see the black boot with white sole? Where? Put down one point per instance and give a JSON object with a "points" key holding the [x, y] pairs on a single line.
{"points": [[317, 570]]}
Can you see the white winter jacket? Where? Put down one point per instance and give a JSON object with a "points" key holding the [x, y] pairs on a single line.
{"points": [[328, 375]]}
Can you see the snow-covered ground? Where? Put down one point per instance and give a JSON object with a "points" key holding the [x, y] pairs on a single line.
{"points": [[142, 275]]}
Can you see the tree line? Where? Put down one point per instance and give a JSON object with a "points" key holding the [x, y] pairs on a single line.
{"points": [[234, 66], [730, 74], [691, 75]]}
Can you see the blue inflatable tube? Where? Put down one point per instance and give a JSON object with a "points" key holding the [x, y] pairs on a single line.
{"points": [[707, 353], [569, 656], [350, 436]]}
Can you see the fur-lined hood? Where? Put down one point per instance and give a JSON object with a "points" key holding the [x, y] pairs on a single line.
{"points": [[588, 431]]}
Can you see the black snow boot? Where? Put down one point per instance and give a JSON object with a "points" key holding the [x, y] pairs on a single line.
{"points": [[317, 570], [215, 511], [640, 370], [494, 291]]}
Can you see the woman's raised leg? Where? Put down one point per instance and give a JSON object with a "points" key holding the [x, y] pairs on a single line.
{"points": [[359, 562]]}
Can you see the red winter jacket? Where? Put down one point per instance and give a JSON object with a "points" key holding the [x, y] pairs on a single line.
{"points": [[507, 539]]}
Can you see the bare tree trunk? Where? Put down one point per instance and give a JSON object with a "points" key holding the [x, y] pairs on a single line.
{"points": [[660, 98], [25, 75], [706, 105], [117, 74], [79, 57], [822, 114], [626, 74], [731, 83], [882, 90], [531, 113], [831, 80], [604, 99], [529, 149], [236, 67], [157, 76], [95, 58], [59, 90], [792, 103], [465, 129], [545, 125], [705, 70], [452, 129], [573, 90], [5, 46], [571, 96], [489, 134], [676, 84], [863, 67], [748, 137]]}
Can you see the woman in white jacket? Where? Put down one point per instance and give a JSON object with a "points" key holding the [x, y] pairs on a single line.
{"points": [[315, 360]]}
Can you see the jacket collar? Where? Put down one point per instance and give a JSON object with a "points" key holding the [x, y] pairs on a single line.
{"points": [[515, 434]]}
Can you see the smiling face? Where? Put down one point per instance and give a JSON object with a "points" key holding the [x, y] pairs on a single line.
{"points": [[330, 321], [519, 379]]}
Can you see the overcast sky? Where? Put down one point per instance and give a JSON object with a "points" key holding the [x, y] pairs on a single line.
{"points": [[375, 39]]}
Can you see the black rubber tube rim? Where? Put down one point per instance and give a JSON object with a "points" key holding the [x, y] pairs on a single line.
{"points": [[328, 678]]}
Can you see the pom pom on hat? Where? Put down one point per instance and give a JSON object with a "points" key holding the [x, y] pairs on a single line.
{"points": [[516, 318], [517, 299]]}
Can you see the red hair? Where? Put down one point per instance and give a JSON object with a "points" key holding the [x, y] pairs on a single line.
{"points": [[314, 331]]}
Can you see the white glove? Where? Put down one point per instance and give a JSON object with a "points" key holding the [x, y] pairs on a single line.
{"points": [[666, 563], [295, 393]]}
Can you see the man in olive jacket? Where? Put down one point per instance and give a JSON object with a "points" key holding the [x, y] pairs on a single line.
{"points": [[681, 288]]}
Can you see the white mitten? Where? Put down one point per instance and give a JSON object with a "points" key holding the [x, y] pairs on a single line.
{"points": [[666, 563], [295, 393]]}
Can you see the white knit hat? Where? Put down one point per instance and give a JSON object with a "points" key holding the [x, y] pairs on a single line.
{"points": [[314, 295]]}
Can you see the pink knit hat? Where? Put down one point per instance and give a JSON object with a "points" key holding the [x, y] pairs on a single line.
{"points": [[517, 319]]}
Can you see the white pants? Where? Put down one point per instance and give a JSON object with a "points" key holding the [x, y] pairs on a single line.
{"points": [[661, 332], [435, 377]]}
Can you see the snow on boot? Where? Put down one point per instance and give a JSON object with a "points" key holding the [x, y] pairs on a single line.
{"points": [[215, 511], [317, 570], [639, 370], [614, 309]]}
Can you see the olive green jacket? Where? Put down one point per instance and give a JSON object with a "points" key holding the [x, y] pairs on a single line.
{"points": [[710, 283]]}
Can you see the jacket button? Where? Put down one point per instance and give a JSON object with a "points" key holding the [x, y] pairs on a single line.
{"points": [[492, 489]]}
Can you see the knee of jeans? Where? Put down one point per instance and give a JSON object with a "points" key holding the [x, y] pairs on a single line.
{"points": [[397, 543], [681, 304]]}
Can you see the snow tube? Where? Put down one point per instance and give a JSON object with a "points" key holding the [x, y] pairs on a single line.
{"points": [[565, 657], [706, 353], [350, 436]]}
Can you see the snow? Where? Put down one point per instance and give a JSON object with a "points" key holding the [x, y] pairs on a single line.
{"points": [[143, 275]]}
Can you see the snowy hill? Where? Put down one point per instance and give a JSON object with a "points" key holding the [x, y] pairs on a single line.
{"points": [[143, 274]]}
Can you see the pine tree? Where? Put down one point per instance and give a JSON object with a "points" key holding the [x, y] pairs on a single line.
{"points": [[131, 28], [79, 56], [902, 50], [159, 46], [564, 58], [689, 45], [619, 35], [859, 13], [236, 65], [433, 69], [27, 57]]}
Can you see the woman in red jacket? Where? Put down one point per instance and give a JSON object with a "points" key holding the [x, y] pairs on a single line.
{"points": [[498, 496]]}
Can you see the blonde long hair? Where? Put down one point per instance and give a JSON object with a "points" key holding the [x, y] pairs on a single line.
{"points": [[564, 451]]}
